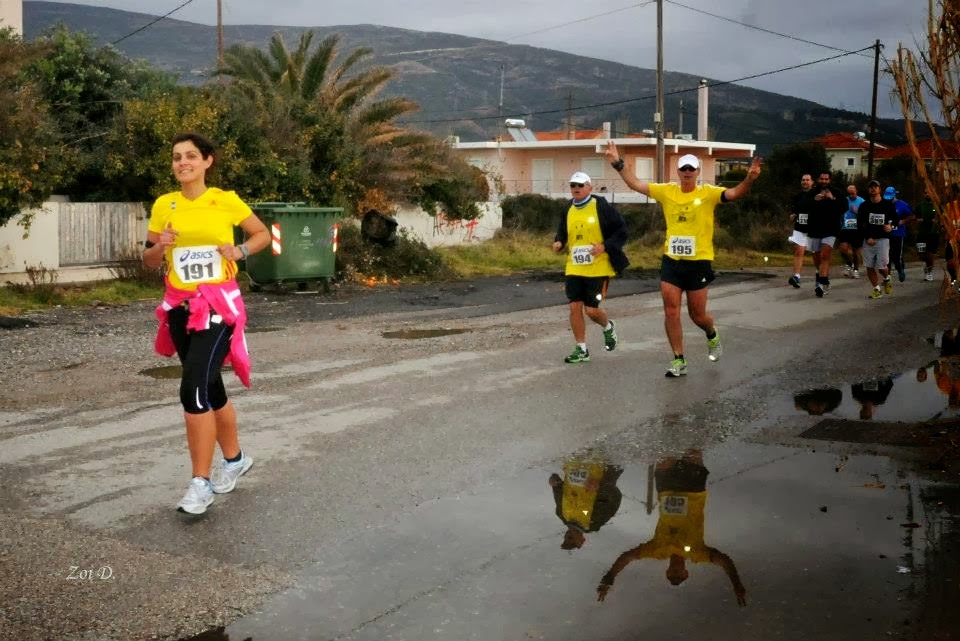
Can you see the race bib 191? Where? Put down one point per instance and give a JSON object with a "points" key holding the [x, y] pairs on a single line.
{"points": [[684, 246], [578, 476], [581, 255], [198, 264]]}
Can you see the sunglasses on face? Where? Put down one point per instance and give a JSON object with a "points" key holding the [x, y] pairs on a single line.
{"points": [[688, 168], [576, 185]]}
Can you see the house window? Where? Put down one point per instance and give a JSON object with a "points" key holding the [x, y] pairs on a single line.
{"points": [[593, 166], [643, 168], [851, 162]]}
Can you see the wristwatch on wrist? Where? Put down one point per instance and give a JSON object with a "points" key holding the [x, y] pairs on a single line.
{"points": [[617, 164], [244, 250]]}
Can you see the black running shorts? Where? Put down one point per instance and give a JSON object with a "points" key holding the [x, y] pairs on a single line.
{"points": [[587, 290], [688, 275]]}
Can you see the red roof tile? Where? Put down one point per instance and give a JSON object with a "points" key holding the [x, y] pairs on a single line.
{"points": [[925, 147], [845, 140]]}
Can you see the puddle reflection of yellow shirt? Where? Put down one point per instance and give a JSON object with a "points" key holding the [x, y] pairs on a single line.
{"points": [[679, 527], [580, 487]]}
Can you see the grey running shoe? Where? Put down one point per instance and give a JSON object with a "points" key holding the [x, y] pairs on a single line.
{"points": [[579, 355], [225, 476], [198, 497], [793, 280], [819, 290], [714, 347], [610, 338], [678, 367]]}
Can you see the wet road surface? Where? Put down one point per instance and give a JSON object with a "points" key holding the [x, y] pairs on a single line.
{"points": [[423, 488]]}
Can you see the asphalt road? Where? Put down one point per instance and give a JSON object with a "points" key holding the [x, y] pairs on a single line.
{"points": [[401, 491]]}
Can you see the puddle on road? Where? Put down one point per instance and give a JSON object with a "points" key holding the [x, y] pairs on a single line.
{"points": [[423, 333], [676, 546], [260, 330], [164, 371]]}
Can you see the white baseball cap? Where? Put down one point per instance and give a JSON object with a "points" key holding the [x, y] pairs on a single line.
{"points": [[580, 177], [688, 159]]}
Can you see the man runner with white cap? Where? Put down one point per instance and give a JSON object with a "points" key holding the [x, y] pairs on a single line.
{"points": [[593, 233], [688, 250]]}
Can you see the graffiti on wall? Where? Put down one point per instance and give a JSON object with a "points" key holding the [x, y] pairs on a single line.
{"points": [[455, 227]]}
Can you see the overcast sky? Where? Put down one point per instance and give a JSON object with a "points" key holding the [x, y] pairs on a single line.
{"points": [[625, 31]]}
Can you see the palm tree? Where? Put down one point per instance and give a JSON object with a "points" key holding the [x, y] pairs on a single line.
{"points": [[354, 145]]}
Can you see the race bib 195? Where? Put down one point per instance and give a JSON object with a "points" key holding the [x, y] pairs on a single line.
{"points": [[685, 246], [198, 264]]}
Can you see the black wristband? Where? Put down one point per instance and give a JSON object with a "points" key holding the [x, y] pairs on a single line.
{"points": [[618, 164]]}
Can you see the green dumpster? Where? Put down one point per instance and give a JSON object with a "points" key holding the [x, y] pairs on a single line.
{"points": [[303, 245]]}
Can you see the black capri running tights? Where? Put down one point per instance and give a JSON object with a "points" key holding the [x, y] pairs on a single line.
{"points": [[201, 355]]}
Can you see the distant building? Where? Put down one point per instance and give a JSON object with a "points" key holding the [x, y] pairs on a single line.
{"points": [[11, 15], [542, 162], [848, 152]]}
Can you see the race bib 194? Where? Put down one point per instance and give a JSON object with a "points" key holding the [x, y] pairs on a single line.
{"points": [[581, 255], [198, 264], [674, 505], [685, 246]]}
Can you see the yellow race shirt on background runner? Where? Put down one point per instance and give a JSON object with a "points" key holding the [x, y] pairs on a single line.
{"points": [[583, 231], [689, 219], [202, 225]]}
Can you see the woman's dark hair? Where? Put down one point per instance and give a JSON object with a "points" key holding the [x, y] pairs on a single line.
{"points": [[202, 143]]}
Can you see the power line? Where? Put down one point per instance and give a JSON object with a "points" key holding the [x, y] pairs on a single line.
{"points": [[755, 27], [151, 23], [649, 97]]}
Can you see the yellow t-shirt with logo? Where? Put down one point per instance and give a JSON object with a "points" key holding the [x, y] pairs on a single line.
{"points": [[202, 225], [583, 231], [689, 217], [680, 527]]}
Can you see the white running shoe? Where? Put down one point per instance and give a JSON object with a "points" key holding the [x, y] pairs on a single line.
{"points": [[198, 497], [224, 477]]}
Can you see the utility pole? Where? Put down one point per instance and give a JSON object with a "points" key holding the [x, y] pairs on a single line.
{"points": [[873, 109], [680, 121], [220, 36], [658, 116], [569, 118]]}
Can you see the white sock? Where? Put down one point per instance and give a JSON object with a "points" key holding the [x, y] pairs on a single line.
{"points": [[582, 346], [797, 276], [609, 326]]}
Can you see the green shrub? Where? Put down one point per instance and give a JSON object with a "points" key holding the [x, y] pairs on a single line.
{"points": [[130, 269], [408, 257], [532, 212]]}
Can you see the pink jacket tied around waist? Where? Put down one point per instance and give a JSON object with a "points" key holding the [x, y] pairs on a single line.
{"points": [[223, 299]]}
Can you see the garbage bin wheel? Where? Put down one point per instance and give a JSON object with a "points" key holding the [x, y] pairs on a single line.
{"points": [[255, 288], [301, 286]]}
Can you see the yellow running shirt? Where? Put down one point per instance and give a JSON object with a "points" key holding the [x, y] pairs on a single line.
{"points": [[689, 219], [583, 231], [202, 225]]}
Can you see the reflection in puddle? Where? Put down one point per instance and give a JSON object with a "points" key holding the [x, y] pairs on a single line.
{"points": [[586, 497], [681, 486], [164, 371], [217, 634], [423, 333]]}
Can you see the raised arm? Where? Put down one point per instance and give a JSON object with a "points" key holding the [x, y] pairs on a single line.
{"points": [[741, 190], [719, 558], [639, 552], [613, 157]]}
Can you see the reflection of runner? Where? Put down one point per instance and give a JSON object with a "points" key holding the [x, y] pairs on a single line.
{"points": [[870, 394], [586, 498], [682, 495], [818, 402]]}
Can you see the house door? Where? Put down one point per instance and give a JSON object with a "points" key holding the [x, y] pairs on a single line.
{"points": [[542, 172]]}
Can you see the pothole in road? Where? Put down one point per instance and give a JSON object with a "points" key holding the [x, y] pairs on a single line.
{"points": [[424, 333], [165, 371]]}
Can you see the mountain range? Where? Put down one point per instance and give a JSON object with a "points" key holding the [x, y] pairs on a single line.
{"points": [[466, 86]]}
